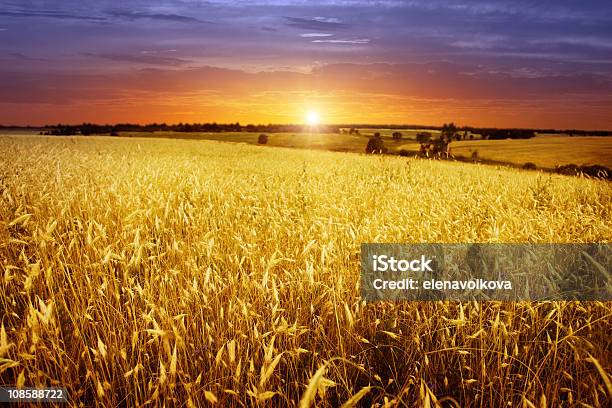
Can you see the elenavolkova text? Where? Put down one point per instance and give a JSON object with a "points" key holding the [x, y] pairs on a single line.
{"points": [[433, 284]]}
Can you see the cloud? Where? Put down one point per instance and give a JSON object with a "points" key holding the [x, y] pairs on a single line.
{"points": [[383, 93], [137, 15], [315, 23], [23, 57], [313, 35], [355, 41], [443, 80], [582, 41], [512, 50], [143, 58], [332, 20], [156, 51], [50, 14]]}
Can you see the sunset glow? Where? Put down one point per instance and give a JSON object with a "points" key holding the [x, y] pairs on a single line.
{"points": [[486, 63], [312, 118]]}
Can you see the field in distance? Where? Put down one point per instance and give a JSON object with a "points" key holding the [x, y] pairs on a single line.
{"points": [[546, 151], [166, 272]]}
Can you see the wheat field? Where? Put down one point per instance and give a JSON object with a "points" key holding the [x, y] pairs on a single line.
{"points": [[193, 273]]}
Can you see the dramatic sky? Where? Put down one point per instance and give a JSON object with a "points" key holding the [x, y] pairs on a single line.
{"points": [[537, 63]]}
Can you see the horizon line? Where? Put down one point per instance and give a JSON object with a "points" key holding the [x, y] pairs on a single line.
{"points": [[343, 125]]}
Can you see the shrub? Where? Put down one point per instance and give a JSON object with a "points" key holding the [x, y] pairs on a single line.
{"points": [[404, 153], [375, 145], [530, 166], [597, 171], [568, 169], [475, 155], [262, 139], [423, 137], [397, 136], [114, 133]]}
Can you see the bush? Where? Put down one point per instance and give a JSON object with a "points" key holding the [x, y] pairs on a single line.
{"points": [[404, 153], [568, 169], [529, 166], [423, 137], [262, 139], [375, 145], [597, 171], [397, 136], [475, 155], [114, 133]]}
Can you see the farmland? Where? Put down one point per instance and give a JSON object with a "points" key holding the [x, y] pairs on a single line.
{"points": [[546, 151], [314, 141], [185, 272]]}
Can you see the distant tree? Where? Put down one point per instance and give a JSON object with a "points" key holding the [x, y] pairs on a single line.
{"points": [[449, 132], [375, 145], [500, 134], [423, 137], [597, 171], [397, 136], [404, 153], [86, 129], [438, 147], [569, 169], [262, 139], [530, 166]]}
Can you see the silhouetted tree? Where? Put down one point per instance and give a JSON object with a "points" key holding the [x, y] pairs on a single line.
{"points": [[530, 166], [423, 137], [375, 145], [449, 132]]}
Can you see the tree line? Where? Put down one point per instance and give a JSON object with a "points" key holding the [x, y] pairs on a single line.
{"points": [[87, 129], [487, 133]]}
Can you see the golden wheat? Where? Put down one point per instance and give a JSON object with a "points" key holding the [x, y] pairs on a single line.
{"points": [[170, 272]]}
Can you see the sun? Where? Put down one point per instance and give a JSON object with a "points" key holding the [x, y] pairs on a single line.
{"points": [[312, 118]]}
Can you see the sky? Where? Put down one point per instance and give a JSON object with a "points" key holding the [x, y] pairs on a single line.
{"points": [[542, 64]]}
